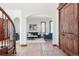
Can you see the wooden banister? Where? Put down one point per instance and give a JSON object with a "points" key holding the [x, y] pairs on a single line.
{"points": [[14, 30]]}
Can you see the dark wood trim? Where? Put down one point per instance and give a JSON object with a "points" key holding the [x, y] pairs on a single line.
{"points": [[23, 45], [61, 5], [59, 27], [55, 45], [78, 25]]}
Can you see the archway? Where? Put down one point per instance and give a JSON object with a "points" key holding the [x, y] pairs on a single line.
{"points": [[38, 20]]}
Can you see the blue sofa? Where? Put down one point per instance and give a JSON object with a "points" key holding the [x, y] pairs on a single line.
{"points": [[48, 36], [17, 36]]}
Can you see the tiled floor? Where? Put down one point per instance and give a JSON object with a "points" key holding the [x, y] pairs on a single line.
{"points": [[39, 49]]}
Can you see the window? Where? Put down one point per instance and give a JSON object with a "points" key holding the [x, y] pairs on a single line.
{"points": [[43, 27], [51, 26]]}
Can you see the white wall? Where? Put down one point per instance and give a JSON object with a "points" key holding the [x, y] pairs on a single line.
{"points": [[47, 9], [56, 27], [14, 14], [17, 24]]}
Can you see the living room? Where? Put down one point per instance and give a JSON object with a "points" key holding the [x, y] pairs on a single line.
{"points": [[39, 26]]}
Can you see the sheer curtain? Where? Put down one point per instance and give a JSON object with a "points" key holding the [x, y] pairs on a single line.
{"points": [[43, 28]]}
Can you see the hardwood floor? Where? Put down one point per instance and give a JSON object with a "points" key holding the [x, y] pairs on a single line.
{"points": [[39, 49]]}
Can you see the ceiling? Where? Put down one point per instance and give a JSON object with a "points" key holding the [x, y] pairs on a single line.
{"points": [[32, 9]]}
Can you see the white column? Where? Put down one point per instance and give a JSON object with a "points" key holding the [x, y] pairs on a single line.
{"points": [[55, 30], [23, 36]]}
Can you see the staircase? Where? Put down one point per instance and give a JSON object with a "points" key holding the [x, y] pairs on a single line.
{"points": [[7, 35]]}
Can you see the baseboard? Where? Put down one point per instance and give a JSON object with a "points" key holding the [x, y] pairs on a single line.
{"points": [[55, 45], [23, 45]]}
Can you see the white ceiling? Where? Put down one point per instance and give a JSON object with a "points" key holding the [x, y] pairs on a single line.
{"points": [[31, 9]]}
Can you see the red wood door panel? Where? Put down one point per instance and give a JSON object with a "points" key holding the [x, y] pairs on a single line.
{"points": [[1, 30]]}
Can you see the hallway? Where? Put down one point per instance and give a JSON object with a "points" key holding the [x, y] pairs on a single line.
{"points": [[39, 49]]}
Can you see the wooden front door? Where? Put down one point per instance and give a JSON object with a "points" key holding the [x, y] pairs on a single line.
{"points": [[69, 29]]}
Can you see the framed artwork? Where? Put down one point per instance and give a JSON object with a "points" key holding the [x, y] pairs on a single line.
{"points": [[33, 27]]}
